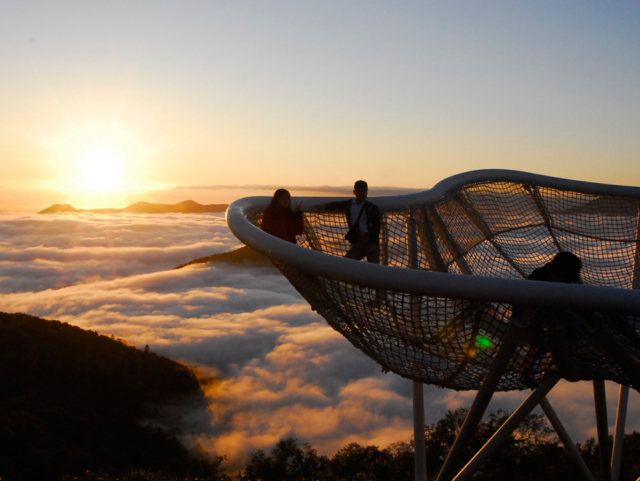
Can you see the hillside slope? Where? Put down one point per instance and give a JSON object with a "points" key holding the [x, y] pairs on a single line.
{"points": [[244, 255], [73, 400]]}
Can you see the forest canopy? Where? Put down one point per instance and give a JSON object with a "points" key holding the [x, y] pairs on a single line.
{"points": [[72, 400]]}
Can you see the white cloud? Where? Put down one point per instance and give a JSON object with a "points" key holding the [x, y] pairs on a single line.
{"points": [[279, 369], [52, 251]]}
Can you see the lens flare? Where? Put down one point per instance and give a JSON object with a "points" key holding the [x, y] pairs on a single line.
{"points": [[483, 342]]}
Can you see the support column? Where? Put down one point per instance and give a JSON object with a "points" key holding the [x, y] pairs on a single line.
{"points": [[420, 454], [483, 397], [618, 437], [418, 432], [569, 446], [510, 425], [600, 399]]}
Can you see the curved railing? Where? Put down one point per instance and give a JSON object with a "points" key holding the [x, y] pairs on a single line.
{"points": [[453, 260]]}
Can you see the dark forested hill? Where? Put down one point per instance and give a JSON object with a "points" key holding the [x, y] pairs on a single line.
{"points": [[72, 400]]}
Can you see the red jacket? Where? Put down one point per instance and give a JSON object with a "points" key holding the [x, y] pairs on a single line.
{"points": [[283, 223]]}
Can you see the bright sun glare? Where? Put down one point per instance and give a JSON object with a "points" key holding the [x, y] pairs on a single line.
{"points": [[100, 169]]}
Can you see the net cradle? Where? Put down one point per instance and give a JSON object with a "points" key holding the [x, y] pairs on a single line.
{"points": [[453, 264]]}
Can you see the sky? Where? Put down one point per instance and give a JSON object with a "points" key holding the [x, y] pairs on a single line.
{"points": [[270, 366], [109, 103]]}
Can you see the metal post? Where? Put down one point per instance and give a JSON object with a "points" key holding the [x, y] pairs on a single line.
{"points": [[420, 450], [600, 399], [562, 433], [420, 453], [480, 403], [510, 425], [618, 437], [450, 243]]}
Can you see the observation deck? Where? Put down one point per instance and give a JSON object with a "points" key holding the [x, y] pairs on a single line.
{"points": [[441, 306], [453, 264]]}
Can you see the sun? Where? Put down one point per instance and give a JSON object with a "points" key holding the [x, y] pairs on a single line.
{"points": [[100, 169]]}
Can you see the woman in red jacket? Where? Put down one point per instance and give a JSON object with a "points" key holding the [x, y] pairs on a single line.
{"points": [[280, 220]]}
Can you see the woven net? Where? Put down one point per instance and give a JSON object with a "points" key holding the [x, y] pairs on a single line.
{"points": [[490, 229]]}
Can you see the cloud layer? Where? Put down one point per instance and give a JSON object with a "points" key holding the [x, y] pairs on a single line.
{"points": [[270, 366], [38, 252]]}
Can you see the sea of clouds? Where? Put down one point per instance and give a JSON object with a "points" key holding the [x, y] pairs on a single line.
{"points": [[271, 367]]}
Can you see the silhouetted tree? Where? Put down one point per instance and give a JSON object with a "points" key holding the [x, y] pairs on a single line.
{"points": [[287, 462], [630, 469], [71, 402], [531, 453]]}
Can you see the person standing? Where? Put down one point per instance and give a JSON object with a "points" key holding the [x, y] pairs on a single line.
{"points": [[553, 329], [281, 220], [363, 219]]}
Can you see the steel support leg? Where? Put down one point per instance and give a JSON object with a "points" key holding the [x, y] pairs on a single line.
{"points": [[600, 399], [479, 406], [418, 432], [618, 437], [562, 433], [510, 425]]}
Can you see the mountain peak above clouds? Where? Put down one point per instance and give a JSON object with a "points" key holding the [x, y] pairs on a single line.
{"points": [[58, 208], [185, 207]]}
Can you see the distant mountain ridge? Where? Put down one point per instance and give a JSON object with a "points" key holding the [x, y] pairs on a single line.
{"points": [[186, 207]]}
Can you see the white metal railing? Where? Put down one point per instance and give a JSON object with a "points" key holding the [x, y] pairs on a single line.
{"points": [[430, 283]]}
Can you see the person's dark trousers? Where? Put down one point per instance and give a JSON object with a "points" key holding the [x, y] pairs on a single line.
{"points": [[360, 250]]}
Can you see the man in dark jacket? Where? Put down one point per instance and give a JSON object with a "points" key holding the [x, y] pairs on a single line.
{"points": [[363, 218]]}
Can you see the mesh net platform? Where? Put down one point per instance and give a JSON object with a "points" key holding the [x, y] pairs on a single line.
{"points": [[454, 261]]}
